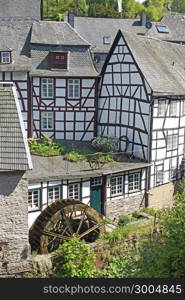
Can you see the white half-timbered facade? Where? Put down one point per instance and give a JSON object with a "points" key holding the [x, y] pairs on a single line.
{"points": [[116, 189], [142, 100], [54, 75], [64, 83]]}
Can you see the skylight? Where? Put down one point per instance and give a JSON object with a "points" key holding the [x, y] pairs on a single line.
{"points": [[107, 39], [162, 29]]}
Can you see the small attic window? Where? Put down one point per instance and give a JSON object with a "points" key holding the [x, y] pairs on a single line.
{"points": [[107, 40], [162, 29], [59, 60], [5, 57]]}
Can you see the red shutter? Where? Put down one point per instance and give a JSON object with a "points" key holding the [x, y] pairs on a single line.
{"points": [[59, 60]]}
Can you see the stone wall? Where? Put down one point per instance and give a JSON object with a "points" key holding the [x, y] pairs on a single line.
{"points": [[162, 196], [116, 207], [14, 246]]}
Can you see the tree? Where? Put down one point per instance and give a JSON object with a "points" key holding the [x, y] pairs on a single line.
{"points": [[75, 258], [178, 6]]}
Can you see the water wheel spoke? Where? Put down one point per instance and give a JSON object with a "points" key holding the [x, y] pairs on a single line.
{"points": [[81, 221], [67, 222], [89, 230], [55, 235], [66, 232]]}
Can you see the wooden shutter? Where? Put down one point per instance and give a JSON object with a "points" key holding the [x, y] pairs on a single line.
{"points": [[59, 60]]}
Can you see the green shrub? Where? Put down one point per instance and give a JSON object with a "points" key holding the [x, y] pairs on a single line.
{"points": [[105, 143], [76, 155], [123, 266], [136, 214], [150, 211], [75, 259], [123, 220], [73, 156], [46, 147]]}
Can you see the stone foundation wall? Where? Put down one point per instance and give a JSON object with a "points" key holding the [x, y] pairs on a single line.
{"points": [[14, 245], [162, 196], [116, 207]]}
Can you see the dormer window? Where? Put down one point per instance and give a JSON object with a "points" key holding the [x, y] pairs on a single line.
{"points": [[107, 40], [5, 57], [59, 60]]}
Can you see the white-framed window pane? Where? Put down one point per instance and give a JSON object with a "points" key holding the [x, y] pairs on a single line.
{"points": [[74, 88], [53, 194], [134, 182], [34, 199], [74, 191], [159, 177], [96, 181], [47, 87], [5, 57], [172, 142], [183, 107], [116, 185], [161, 108], [173, 109], [47, 120]]}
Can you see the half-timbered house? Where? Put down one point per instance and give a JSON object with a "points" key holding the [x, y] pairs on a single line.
{"points": [[100, 32], [64, 83], [142, 102], [119, 188]]}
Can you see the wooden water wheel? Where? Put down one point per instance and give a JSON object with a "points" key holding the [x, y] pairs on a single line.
{"points": [[61, 220]]}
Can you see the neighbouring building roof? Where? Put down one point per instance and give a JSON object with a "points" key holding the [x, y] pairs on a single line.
{"points": [[59, 36], [162, 63], [14, 151], [56, 33], [56, 168], [95, 29], [174, 26], [20, 8], [14, 37]]}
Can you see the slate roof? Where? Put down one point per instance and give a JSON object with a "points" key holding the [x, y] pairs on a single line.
{"points": [[59, 36], [94, 29], [14, 152], [175, 25], [55, 168], [14, 36], [56, 33], [20, 8], [162, 63]]}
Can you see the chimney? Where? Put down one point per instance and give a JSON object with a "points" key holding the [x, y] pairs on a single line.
{"points": [[143, 19], [71, 19]]}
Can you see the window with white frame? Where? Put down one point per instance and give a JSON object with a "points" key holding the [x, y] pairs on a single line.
{"points": [[183, 107], [173, 173], [172, 142], [53, 194], [34, 199], [161, 108], [96, 181], [173, 109], [5, 57], [117, 185], [134, 182], [47, 120], [47, 88], [74, 88], [159, 177], [74, 191]]}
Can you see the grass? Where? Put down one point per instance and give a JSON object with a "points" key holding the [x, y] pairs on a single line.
{"points": [[122, 232], [47, 147]]}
